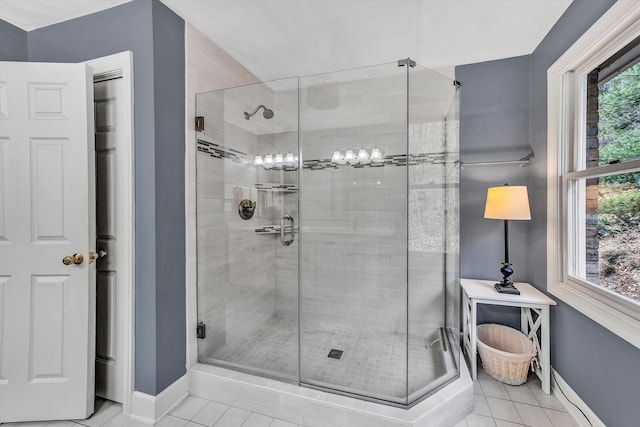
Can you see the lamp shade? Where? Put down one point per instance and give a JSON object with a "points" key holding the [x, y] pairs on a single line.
{"points": [[507, 202]]}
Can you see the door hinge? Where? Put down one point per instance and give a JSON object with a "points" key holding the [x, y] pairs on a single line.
{"points": [[201, 330], [200, 123]]}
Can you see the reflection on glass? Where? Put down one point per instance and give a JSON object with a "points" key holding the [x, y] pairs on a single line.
{"points": [[268, 161], [377, 155], [289, 159]]}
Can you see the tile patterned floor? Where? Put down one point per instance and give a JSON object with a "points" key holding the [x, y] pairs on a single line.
{"points": [[496, 405], [501, 405], [373, 364]]}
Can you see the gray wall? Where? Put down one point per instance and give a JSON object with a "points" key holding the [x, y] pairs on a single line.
{"points": [[601, 367], [169, 90], [155, 35], [13, 46], [494, 125], [598, 365]]}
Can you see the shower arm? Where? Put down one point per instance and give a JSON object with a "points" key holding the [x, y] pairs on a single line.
{"points": [[247, 116]]}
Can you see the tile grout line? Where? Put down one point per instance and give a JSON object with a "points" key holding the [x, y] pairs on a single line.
{"points": [[531, 386], [223, 414]]}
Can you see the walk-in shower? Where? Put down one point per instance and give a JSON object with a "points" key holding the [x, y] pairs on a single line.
{"points": [[328, 235]]}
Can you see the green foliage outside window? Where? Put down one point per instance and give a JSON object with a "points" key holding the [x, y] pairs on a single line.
{"points": [[619, 138], [618, 213], [619, 123]]}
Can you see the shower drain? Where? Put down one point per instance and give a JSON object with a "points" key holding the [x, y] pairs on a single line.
{"points": [[335, 354]]}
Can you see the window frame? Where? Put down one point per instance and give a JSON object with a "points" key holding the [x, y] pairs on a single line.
{"points": [[566, 113]]}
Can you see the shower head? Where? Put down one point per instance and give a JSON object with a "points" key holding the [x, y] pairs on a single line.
{"points": [[267, 113]]}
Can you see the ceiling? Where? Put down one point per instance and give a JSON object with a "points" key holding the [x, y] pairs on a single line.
{"points": [[281, 38], [32, 14]]}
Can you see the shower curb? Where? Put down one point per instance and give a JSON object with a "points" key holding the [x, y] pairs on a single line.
{"points": [[313, 407]]}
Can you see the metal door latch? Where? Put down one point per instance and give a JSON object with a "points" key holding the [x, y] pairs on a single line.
{"points": [[93, 256]]}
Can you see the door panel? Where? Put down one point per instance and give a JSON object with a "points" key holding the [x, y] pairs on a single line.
{"points": [[47, 317], [106, 315], [47, 189], [106, 194], [48, 101], [47, 328], [109, 118], [3, 282], [4, 190], [4, 101]]}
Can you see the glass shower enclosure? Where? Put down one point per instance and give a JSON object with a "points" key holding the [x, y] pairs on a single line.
{"points": [[327, 226]]}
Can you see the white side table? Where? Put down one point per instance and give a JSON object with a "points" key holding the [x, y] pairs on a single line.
{"points": [[534, 317]]}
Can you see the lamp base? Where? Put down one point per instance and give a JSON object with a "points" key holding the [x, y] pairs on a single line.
{"points": [[506, 289], [506, 286]]}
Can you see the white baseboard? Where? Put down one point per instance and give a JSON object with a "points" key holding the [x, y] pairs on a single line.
{"points": [[149, 409], [568, 398]]}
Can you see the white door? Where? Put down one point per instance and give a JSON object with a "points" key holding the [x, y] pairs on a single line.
{"points": [[110, 332], [47, 213]]}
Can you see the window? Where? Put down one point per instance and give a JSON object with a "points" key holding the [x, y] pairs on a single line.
{"points": [[593, 241]]}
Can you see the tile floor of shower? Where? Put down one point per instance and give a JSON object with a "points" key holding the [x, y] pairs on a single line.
{"points": [[373, 363]]}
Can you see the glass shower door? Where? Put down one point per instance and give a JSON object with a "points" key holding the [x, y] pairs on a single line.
{"points": [[433, 231], [353, 262], [247, 214]]}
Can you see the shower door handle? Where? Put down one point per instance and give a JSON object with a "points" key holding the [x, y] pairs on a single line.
{"points": [[283, 241], [293, 230]]}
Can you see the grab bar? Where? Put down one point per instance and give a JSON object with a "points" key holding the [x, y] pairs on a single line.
{"points": [[283, 241]]}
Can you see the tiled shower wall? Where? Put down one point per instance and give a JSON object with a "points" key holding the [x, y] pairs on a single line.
{"points": [[356, 242], [354, 245], [236, 266], [208, 68]]}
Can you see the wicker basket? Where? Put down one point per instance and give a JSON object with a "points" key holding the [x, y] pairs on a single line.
{"points": [[506, 353]]}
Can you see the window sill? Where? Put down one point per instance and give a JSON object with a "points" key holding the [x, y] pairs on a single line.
{"points": [[609, 316]]}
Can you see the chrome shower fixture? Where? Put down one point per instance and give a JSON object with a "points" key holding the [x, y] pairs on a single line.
{"points": [[267, 113]]}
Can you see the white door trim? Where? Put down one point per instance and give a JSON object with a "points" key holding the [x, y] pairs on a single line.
{"points": [[123, 63]]}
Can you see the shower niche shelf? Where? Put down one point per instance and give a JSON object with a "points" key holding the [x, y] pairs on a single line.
{"points": [[275, 187]]}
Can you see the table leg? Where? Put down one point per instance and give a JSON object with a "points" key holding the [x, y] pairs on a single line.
{"points": [[473, 337], [545, 356]]}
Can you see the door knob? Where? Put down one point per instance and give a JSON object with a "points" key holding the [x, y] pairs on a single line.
{"points": [[73, 259]]}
